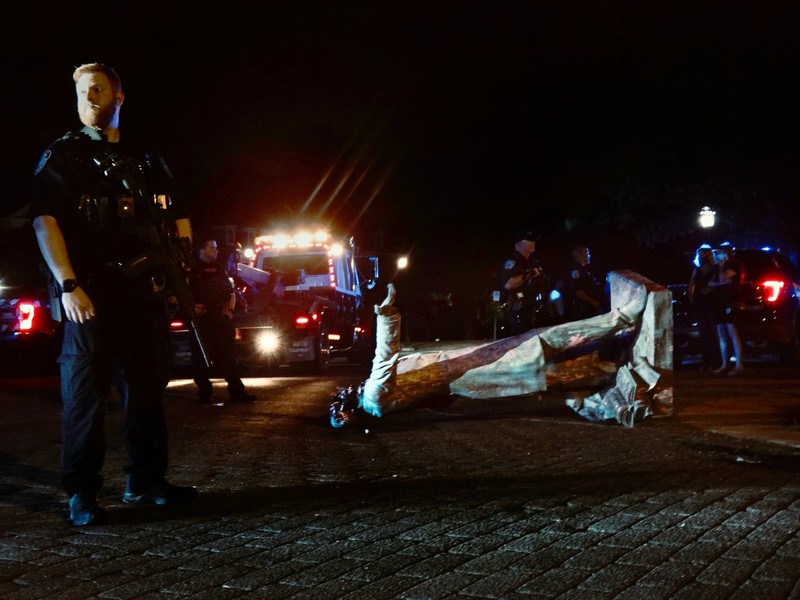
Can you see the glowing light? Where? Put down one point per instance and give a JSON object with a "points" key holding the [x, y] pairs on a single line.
{"points": [[299, 239], [707, 217], [267, 342], [303, 238], [281, 240], [402, 262], [774, 288], [26, 312]]}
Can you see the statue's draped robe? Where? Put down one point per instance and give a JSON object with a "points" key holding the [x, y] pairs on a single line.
{"points": [[564, 356]]}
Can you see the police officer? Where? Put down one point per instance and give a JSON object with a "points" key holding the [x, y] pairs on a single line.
{"points": [[584, 296], [523, 280], [96, 201], [214, 294]]}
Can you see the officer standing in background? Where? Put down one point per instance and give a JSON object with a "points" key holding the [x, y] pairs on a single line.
{"points": [[522, 279], [700, 295], [214, 295], [93, 225], [584, 296]]}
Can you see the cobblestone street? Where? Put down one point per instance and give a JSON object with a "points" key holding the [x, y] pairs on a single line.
{"points": [[503, 499]]}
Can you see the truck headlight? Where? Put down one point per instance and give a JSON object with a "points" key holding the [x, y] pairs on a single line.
{"points": [[267, 342]]}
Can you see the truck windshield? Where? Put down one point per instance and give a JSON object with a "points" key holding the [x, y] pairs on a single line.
{"points": [[312, 264]]}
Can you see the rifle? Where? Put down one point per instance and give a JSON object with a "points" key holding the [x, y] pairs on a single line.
{"points": [[165, 251]]}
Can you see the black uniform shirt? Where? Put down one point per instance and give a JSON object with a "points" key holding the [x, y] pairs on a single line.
{"points": [[581, 278], [211, 286], [100, 226], [517, 264]]}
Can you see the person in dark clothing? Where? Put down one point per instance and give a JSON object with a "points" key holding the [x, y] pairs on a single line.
{"points": [[583, 295], [726, 309], [93, 221], [215, 299], [700, 295], [524, 280]]}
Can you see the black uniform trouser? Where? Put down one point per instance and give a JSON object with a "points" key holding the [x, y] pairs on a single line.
{"points": [[219, 338], [131, 345], [709, 343], [519, 321]]}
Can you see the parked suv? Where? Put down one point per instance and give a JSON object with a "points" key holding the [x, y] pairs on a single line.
{"points": [[29, 338], [768, 315]]}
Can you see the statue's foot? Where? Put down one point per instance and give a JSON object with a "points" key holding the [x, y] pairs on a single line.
{"points": [[385, 308], [391, 292]]}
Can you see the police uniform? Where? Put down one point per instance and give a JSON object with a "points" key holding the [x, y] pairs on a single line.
{"points": [[106, 230], [581, 278], [521, 302], [212, 287]]}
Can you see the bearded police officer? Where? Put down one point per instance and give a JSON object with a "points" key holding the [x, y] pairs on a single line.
{"points": [[96, 200]]}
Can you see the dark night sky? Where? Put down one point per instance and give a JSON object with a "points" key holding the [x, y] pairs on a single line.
{"points": [[442, 125]]}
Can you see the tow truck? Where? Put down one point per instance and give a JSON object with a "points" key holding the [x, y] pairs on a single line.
{"points": [[303, 301]]}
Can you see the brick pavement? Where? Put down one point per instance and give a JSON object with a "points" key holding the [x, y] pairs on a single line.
{"points": [[507, 499]]}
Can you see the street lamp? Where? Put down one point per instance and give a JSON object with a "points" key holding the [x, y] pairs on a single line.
{"points": [[707, 217]]}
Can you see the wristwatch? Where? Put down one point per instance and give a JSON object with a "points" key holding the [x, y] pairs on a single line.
{"points": [[69, 285]]}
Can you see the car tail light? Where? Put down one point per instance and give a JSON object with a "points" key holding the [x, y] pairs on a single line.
{"points": [[773, 288], [26, 311], [176, 325]]}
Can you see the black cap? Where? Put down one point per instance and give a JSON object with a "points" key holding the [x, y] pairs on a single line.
{"points": [[526, 234]]}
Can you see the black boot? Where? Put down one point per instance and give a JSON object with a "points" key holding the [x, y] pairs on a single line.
{"points": [[84, 510]]}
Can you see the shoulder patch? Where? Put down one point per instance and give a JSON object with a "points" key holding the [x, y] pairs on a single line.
{"points": [[43, 161], [576, 274], [509, 265]]}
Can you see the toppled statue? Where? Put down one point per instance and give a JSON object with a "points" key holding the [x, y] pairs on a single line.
{"points": [[617, 365]]}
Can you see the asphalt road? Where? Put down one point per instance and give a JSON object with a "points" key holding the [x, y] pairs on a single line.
{"points": [[516, 498]]}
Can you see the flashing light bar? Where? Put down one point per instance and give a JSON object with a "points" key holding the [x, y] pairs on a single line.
{"points": [[300, 239]]}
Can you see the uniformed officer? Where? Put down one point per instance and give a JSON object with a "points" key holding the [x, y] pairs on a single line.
{"points": [[584, 296], [523, 279], [215, 298], [96, 201]]}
